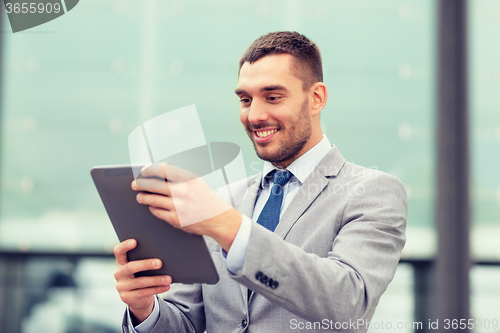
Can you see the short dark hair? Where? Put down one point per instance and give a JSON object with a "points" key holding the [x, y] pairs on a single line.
{"points": [[305, 52]]}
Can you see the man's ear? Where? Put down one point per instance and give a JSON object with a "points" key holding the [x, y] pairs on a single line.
{"points": [[318, 97]]}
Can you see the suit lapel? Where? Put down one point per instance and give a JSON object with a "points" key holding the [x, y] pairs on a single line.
{"points": [[329, 166], [311, 188]]}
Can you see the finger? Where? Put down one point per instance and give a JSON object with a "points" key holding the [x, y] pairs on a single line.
{"points": [[167, 171], [143, 282], [151, 185], [169, 216], [153, 170], [121, 250], [155, 200], [176, 174], [130, 297], [132, 267], [146, 166]]}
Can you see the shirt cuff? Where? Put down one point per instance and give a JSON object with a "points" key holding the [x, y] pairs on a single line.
{"points": [[147, 325], [236, 256]]}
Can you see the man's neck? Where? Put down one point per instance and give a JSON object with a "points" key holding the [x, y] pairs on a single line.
{"points": [[308, 146]]}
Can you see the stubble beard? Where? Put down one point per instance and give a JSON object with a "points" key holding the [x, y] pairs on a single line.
{"points": [[290, 147]]}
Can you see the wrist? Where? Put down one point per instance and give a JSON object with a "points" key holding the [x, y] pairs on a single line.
{"points": [[226, 233], [139, 315]]}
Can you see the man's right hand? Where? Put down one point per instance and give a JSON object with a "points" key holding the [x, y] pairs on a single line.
{"points": [[138, 293]]}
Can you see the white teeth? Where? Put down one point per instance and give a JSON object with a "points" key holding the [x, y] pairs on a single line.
{"points": [[265, 133]]}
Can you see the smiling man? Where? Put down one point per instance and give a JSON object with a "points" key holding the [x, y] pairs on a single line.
{"points": [[312, 246], [275, 98]]}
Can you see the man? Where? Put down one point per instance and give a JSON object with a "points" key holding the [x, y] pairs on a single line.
{"points": [[340, 231]]}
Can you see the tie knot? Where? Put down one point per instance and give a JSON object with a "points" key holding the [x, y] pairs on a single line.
{"points": [[281, 177]]}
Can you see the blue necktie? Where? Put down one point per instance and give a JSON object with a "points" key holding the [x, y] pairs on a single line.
{"points": [[270, 215]]}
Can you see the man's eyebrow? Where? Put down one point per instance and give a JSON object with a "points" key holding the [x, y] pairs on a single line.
{"points": [[266, 88], [273, 87]]}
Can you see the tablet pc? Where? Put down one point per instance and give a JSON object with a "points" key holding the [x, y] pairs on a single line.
{"points": [[185, 256]]}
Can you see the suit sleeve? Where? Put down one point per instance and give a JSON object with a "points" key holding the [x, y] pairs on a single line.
{"points": [[180, 311], [347, 284]]}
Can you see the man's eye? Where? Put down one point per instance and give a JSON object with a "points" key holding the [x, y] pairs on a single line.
{"points": [[273, 98], [245, 100]]}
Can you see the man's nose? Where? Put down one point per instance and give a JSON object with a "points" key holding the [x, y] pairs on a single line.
{"points": [[257, 112]]}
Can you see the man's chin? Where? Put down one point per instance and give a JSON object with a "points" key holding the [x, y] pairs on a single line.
{"points": [[268, 156], [265, 155], [271, 154]]}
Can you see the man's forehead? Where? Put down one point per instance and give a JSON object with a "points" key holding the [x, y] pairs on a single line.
{"points": [[273, 72], [282, 62]]}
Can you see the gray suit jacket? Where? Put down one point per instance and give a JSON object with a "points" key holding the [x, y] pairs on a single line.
{"points": [[331, 257]]}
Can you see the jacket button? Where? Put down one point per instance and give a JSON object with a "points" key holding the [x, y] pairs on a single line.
{"points": [[263, 279], [274, 285], [258, 275], [270, 282], [244, 323]]}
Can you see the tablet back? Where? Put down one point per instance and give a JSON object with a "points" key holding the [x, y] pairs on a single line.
{"points": [[185, 256]]}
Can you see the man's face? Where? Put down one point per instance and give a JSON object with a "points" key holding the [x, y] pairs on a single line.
{"points": [[274, 109]]}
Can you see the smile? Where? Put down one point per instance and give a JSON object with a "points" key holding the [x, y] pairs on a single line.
{"points": [[264, 134]]}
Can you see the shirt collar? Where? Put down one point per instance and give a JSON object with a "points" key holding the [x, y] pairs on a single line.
{"points": [[303, 166]]}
